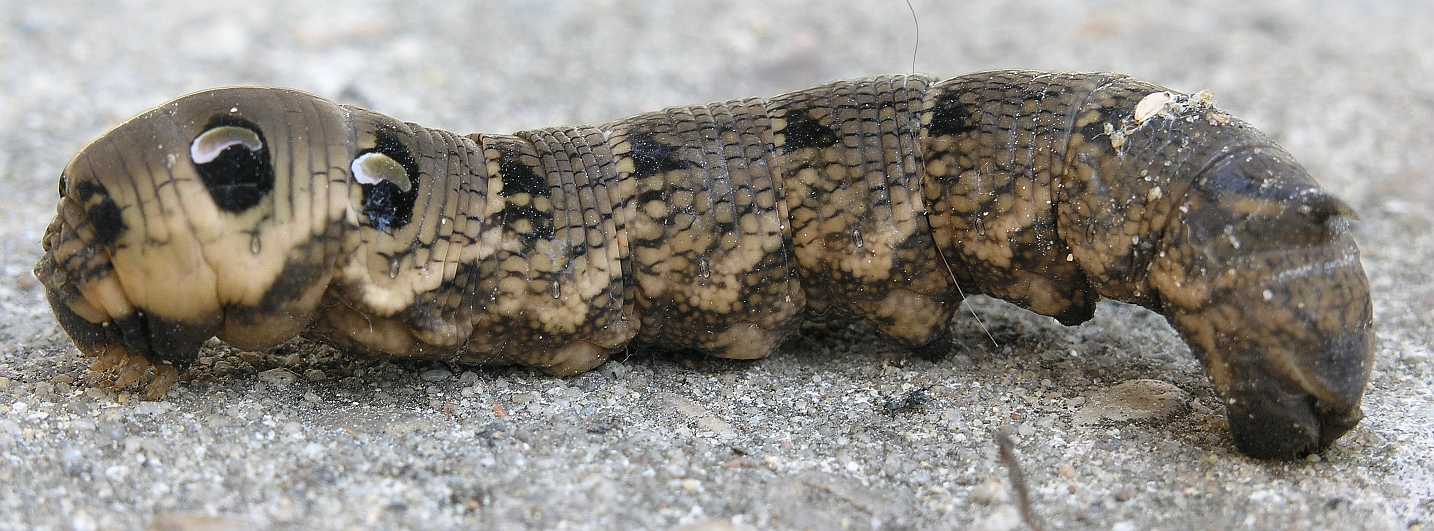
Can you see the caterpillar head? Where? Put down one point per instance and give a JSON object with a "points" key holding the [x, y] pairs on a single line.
{"points": [[1259, 272], [220, 213]]}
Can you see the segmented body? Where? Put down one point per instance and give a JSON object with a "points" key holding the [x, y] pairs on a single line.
{"points": [[715, 227]]}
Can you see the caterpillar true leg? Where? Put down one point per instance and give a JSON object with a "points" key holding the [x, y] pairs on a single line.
{"points": [[260, 214]]}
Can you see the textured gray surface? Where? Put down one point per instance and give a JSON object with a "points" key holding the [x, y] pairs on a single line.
{"points": [[309, 436]]}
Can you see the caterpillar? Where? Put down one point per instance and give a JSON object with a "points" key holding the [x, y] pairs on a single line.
{"points": [[259, 214]]}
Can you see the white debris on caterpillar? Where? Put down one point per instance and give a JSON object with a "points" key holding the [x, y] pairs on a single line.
{"points": [[1152, 104], [1117, 137], [1168, 105]]}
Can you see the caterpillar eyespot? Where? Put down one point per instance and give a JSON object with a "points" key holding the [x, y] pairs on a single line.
{"points": [[376, 168], [233, 162], [717, 228], [210, 144]]}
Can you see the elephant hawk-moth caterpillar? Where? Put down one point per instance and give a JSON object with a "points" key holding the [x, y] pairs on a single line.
{"points": [[257, 214]]}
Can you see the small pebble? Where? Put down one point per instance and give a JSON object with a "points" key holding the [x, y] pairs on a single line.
{"points": [[772, 462], [43, 389], [1134, 400], [153, 408], [1004, 518], [990, 492], [436, 374], [711, 525], [279, 377], [615, 370], [195, 521], [1066, 471], [73, 461], [99, 395], [1125, 493]]}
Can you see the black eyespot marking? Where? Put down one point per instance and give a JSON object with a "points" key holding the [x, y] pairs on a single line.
{"points": [[387, 202], [234, 163], [103, 213], [951, 117], [803, 131]]}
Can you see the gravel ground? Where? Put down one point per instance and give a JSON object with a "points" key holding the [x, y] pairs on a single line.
{"points": [[1115, 425]]}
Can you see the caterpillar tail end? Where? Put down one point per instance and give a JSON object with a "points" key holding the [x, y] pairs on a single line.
{"points": [[1263, 279]]}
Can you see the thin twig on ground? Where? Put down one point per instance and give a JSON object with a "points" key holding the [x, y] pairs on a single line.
{"points": [[1021, 492]]}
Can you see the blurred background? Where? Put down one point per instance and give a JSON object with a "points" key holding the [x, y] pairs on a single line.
{"points": [[1343, 70]]}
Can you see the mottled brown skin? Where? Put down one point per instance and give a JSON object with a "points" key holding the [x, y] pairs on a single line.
{"points": [[256, 215]]}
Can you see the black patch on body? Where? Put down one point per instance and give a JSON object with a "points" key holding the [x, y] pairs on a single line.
{"points": [[387, 206], [1082, 306], [542, 221], [238, 178], [305, 265], [650, 157], [105, 217], [90, 337], [160, 339], [1094, 130], [951, 117], [519, 178], [651, 195], [803, 131]]}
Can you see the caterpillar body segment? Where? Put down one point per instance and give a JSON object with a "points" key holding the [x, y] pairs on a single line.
{"points": [[258, 214]]}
